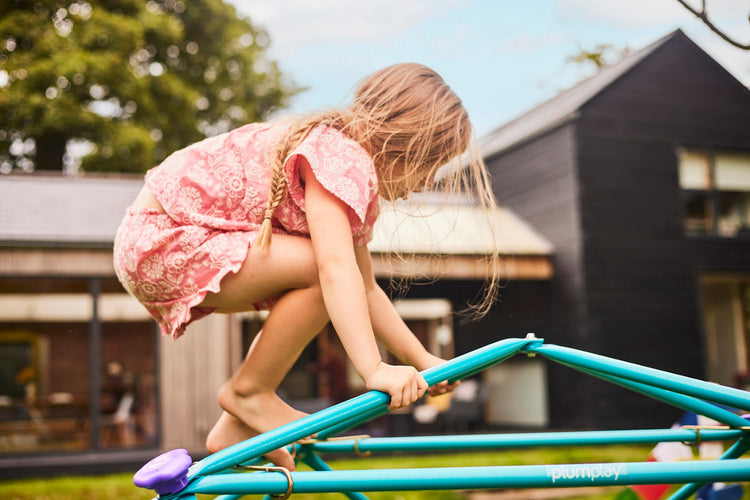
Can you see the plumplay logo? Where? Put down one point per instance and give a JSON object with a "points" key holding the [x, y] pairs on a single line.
{"points": [[586, 472]]}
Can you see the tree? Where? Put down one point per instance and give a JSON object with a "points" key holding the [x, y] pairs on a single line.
{"points": [[702, 14], [602, 55], [126, 81]]}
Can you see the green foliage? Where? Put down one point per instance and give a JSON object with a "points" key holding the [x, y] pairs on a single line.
{"points": [[130, 80], [600, 56]]}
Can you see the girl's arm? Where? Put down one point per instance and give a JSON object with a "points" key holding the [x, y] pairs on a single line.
{"points": [[388, 325], [391, 329], [344, 294]]}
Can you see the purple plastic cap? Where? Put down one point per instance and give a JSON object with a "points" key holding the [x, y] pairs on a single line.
{"points": [[166, 473]]}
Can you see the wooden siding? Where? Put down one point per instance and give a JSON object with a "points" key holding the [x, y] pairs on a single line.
{"points": [[517, 267], [641, 272], [56, 261], [538, 180], [192, 371]]}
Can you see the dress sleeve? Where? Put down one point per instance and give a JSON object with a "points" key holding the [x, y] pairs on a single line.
{"points": [[343, 168]]}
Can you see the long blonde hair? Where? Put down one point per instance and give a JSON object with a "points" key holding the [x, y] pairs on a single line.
{"points": [[418, 134]]}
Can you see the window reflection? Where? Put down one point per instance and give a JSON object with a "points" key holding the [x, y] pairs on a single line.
{"points": [[51, 398], [716, 192]]}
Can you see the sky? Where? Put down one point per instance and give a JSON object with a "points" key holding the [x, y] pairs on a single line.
{"points": [[501, 57]]}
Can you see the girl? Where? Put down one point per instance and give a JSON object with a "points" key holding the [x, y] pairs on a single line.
{"points": [[277, 216]]}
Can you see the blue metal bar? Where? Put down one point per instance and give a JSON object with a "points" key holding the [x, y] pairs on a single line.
{"points": [[687, 393], [519, 440], [458, 368], [287, 434], [451, 478], [728, 396], [353, 409], [682, 401], [734, 452], [335, 430], [474, 362], [318, 464]]}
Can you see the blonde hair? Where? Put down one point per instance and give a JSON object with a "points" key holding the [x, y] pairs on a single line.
{"points": [[417, 132]]}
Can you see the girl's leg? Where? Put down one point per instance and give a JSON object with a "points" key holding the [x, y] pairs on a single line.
{"points": [[249, 398], [250, 395]]}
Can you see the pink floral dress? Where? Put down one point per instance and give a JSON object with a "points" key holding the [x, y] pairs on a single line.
{"points": [[214, 194]]}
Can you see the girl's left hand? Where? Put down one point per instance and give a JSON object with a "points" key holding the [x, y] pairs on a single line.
{"points": [[443, 387], [402, 383]]}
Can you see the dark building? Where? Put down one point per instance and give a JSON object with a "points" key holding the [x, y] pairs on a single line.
{"points": [[640, 178]]}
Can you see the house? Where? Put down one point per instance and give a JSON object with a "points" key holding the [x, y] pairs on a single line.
{"points": [[640, 178], [86, 381]]}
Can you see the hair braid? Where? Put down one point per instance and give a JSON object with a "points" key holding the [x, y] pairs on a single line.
{"points": [[278, 186], [294, 136]]}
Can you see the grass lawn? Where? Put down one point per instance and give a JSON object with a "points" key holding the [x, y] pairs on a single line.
{"points": [[120, 486]]}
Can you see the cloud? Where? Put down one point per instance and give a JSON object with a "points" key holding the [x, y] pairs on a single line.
{"points": [[532, 43], [622, 14], [294, 23], [729, 15]]}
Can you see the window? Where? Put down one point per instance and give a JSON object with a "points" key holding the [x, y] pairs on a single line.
{"points": [[716, 192], [55, 393], [726, 324]]}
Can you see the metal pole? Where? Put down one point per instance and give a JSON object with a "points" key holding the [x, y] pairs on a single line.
{"points": [[678, 400], [519, 440], [452, 478], [317, 463], [728, 396], [674, 389], [352, 410], [95, 354], [734, 452]]}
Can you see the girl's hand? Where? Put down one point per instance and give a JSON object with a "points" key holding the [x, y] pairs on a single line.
{"points": [[403, 384], [428, 361]]}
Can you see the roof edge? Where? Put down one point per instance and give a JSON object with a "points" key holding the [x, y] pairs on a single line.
{"points": [[567, 102]]}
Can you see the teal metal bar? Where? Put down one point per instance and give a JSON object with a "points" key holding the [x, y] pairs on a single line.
{"points": [[458, 368], [210, 475], [734, 452], [452, 478], [519, 440], [287, 434], [335, 430], [728, 396], [353, 409], [469, 364], [316, 463], [687, 403]]}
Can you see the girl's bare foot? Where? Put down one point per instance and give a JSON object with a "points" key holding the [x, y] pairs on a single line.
{"points": [[229, 431], [257, 412]]}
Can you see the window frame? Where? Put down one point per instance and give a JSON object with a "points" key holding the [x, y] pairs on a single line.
{"points": [[712, 193]]}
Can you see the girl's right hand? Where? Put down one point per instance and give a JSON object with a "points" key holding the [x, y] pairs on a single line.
{"points": [[404, 384]]}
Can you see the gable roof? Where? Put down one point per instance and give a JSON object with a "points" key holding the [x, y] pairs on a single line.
{"points": [[44, 209], [565, 106], [422, 225], [52, 210]]}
